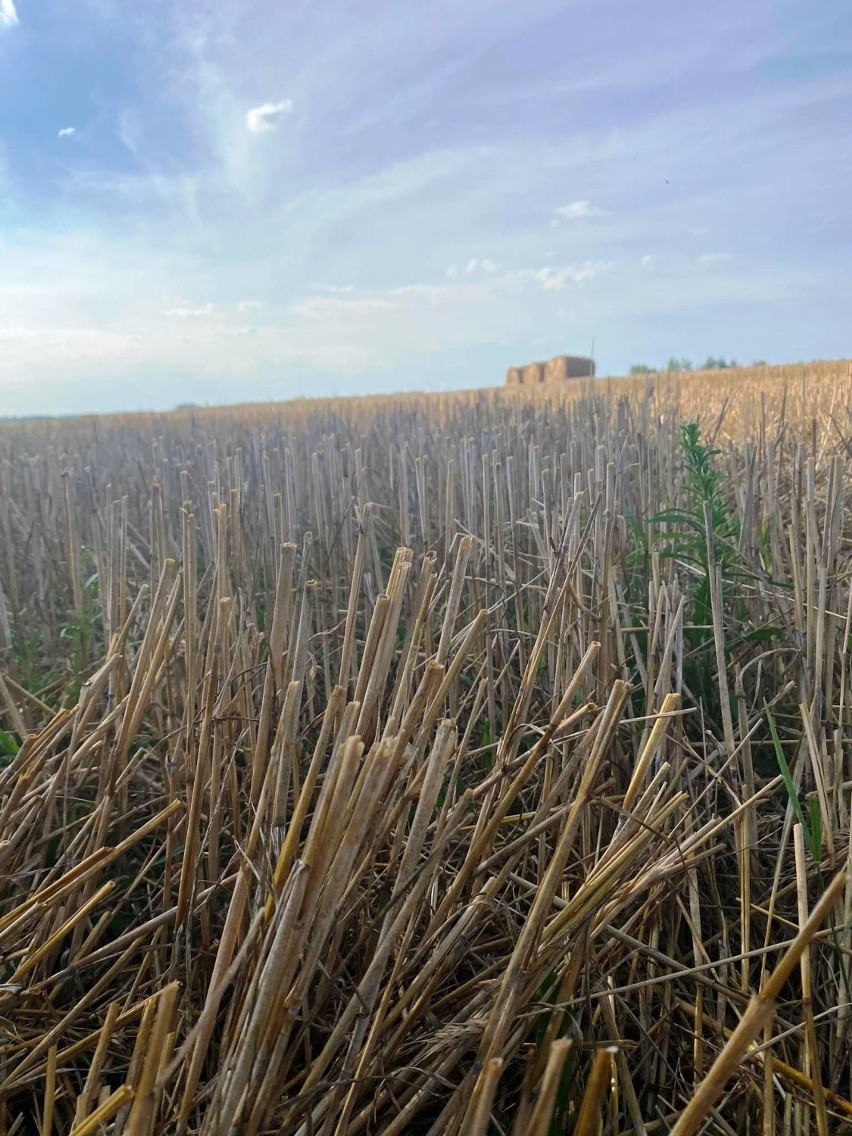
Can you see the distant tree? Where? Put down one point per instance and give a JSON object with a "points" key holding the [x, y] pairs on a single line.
{"points": [[675, 364], [760, 363]]}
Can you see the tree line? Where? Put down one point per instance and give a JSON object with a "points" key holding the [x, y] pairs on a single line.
{"points": [[711, 363]]}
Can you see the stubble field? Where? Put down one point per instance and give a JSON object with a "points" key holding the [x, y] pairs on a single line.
{"points": [[470, 764]]}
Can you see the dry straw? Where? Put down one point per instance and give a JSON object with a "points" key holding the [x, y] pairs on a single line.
{"points": [[438, 765]]}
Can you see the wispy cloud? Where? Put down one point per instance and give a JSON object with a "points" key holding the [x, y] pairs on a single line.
{"points": [[485, 265], [66, 132], [476, 266], [555, 279], [261, 119], [464, 289], [8, 14], [647, 261], [577, 210], [205, 312]]}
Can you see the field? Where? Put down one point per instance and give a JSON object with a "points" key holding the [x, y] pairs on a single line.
{"points": [[468, 764]]}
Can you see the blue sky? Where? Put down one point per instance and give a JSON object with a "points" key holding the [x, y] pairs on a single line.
{"points": [[204, 201]]}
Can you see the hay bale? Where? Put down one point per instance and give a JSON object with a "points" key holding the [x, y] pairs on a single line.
{"points": [[555, 370], [564, 367]]}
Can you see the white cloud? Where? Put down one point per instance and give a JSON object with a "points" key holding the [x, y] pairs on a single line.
{"points": [[67, 131], [8, 14], [186, 310], [576, 210], [263, 118], [557, 278], [198, 313], [479, 266], [482, 292], [476, 266]]}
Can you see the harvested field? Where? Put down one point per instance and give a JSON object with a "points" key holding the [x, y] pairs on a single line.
{"points": [[476, 763]]}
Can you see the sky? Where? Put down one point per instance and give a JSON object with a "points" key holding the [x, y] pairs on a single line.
{"points": [[223, 202]]}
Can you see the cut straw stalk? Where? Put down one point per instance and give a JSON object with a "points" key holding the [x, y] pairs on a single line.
{"points": [[541, 1118], [756, 1018], [589, 1116], [96, 1120]]}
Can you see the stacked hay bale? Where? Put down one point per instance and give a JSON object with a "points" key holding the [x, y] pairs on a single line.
{"points": [[533, 373], [568, 367], [555, 370]]}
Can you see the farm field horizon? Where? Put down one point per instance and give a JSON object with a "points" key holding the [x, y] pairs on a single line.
{"points": [[731, 378], [467, 762]]}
